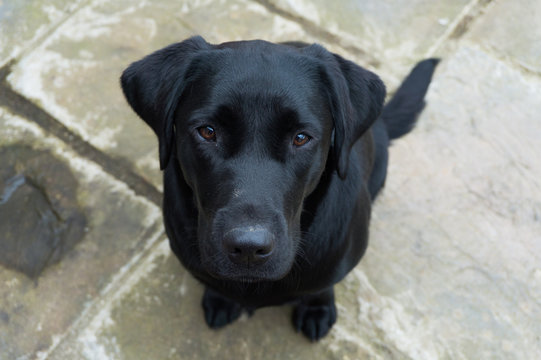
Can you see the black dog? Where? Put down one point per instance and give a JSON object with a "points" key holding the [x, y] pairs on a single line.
{"points": [[273, 154]]}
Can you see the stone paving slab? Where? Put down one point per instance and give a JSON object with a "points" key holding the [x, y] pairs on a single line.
{"points": [[36, 313], [23, 22], [74, 73], [396, 33], [512, 30], [159, 316], [452, 270], [456, 233]]}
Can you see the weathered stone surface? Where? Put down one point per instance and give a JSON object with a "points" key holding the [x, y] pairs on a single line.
{"points": [[394, 32], [456, 235], [160, 316], [74, 73], [453, 267], [23, 22], [35, 313], [512, 29], [40, 219], [452, 270]]}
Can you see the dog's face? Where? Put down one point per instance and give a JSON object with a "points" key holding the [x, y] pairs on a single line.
{"points": [[252, 143], [252, 125]]}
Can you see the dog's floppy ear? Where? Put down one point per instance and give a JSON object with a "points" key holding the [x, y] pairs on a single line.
{"points": [[154, 84], [356, 98]]}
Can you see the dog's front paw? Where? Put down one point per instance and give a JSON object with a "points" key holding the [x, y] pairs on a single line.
{"points": [[315, 316], [219, 310]]}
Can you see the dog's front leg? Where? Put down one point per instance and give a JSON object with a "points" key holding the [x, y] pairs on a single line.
{"points": [[219, 310], [315, 314]]}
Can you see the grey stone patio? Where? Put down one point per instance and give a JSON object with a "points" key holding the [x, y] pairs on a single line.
{"points": [[453, 269]]}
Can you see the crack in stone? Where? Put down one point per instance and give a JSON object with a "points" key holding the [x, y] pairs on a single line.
{"points": [[11, 186], [460, 25]]}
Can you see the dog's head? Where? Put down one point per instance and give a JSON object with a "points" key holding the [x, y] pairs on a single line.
{"points": [[253, 126]]}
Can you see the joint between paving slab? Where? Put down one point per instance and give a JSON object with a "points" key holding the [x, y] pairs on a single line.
{"points": [[320, 33], [117, 167], [120, 283], [460, 26], [515, 64]]}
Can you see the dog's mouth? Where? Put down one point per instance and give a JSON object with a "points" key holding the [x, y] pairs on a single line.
{"points": [[248, 279], [225, 271], [239, 277]]}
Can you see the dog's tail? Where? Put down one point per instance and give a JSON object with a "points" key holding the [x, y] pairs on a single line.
{"points": [[400, 113]]}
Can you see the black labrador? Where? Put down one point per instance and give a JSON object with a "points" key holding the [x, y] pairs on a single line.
{"points": [[273, 154]]}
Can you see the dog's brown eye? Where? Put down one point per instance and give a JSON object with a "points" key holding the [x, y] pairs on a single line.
{"points": [[207, 133], [301, 139]]}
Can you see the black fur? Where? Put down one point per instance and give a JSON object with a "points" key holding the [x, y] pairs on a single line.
{"points": [[400, 113], [256, 217]]}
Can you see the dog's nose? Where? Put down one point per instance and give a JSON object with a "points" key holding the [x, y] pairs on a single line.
{"points": [[248, 245]]}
